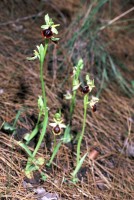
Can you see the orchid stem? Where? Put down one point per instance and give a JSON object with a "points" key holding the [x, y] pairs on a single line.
{"points": [[83, 129]]}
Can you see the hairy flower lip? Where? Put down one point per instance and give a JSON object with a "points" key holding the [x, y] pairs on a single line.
{"points": [[47, 33], [94, 108], [84, 89], [56, 130], [57, 125]]}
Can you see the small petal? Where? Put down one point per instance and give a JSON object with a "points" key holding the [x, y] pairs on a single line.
{"points": [[55, 25]]}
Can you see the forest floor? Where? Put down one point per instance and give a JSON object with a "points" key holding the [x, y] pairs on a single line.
{"points": [[108, 130]]}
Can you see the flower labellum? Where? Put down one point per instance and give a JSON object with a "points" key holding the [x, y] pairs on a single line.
{"points": [[47, 33], [57, 130], [84, 89], [94, 108]]}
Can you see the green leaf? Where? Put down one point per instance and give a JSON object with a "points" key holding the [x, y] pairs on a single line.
{"points": [[67, 136], [8, 127], [78, 166], [26, 137], [25, 147], [54, 153]]}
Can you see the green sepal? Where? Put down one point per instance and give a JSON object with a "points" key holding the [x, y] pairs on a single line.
{"points": [[54, 30], [45, 27], [47, 19]]}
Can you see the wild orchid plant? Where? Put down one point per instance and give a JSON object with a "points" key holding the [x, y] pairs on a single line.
{"points": [[86, 89], [34, 162]]}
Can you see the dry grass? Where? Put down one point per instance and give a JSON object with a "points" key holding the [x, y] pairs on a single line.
{"points": [[110, 176]]}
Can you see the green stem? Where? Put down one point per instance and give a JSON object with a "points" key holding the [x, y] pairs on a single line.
{"points": [[41, 76], [42, 58], [45, 121], [54, 141], [75, 80], [83, 129], [72, 105]]}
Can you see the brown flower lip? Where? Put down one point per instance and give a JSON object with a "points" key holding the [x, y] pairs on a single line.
{"points": [[47, 33], [94, 108], [84, 89], [57, 130]]}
